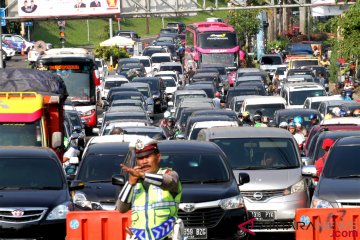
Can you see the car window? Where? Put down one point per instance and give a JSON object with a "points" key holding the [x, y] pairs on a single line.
{"points": [[111, 84], [337, 166], [195, 166], [250, 153], [145, 62], [18, 39], [160, 59], [100, 167], [31, 173], [298, 97], [266, 109], [271, 60]]}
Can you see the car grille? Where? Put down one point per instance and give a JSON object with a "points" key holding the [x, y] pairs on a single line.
{"points": [[350, 204], [265, 194], [268, 225], [207, 217], [21, 215]]}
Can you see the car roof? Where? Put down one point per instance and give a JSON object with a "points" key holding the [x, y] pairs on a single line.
{"points": [[143, 128], [247, 132], [147, 79], [124, 60], [26, 152], [189, 146], [114, 138], [203, 118], [324, 98], [211, 124], [200, 86], [132, 64], [189, 92], [170, 64], [343, 120], [137, 93], [165, 72], [136, 84], [348, 141], [265, 100], [299, 86], [161, 55], [139, 113], [334, 102], [227, 112], [115, 78], [141, 57], [299, 111], [205, 74], [243, 97], [127, 101], [245, 70], [125, 109], [108, 148]]}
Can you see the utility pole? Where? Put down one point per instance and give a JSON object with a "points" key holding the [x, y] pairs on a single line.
{"points": [[110, 27], [302, 17]]}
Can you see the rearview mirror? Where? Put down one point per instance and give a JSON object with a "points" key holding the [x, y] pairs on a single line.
{"points": [[309, 171], [118, 180], [243, 178]]}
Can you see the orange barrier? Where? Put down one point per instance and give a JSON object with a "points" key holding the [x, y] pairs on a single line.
{"points": [[97, 225], [327, 223]]}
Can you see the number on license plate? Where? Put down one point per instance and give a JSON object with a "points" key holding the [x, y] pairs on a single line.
{"points": [[263, 215], [195, 233]]}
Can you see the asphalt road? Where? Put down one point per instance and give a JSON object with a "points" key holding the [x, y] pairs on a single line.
{"points": [[20, 62]]}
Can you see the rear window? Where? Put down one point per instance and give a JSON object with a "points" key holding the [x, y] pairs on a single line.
{"points": [[271, 60], [171, 68], [30, 173], [266, 109], [150, 51], [160, 59], [196, 167], [302, 63], [254, 153], [145, 62], [100, 167], [111, 84], [339, 167], [299, 97], [117, 117]]}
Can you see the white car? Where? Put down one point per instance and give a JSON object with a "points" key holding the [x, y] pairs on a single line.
{"points": [[173, 74], [7, 52], [314, 102], [18, 41], [195, 129], [158, 58], [102, 67], [266, 104], [171, 86], [146, 61], [109, 82]]}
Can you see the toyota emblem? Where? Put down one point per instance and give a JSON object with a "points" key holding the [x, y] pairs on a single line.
{"points": [[189, 207], [17, 213], [258, 196]]}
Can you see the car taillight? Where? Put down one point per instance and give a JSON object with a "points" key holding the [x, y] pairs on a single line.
{"points": [[88, 113], [158, 35], [96, 76]]}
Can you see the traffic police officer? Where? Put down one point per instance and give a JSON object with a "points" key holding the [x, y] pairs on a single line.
{"points": [[152, 193]]}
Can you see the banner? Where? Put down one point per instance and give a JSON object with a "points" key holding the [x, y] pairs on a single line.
{"points": [[67, 8]]}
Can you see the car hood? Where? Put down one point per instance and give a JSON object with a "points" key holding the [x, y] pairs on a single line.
{"points": [[208, 192], [337, 189], [100, 192], [33, 198], [170, 89], [270, 179]]}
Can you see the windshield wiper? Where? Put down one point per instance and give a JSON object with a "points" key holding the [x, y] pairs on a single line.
{"points": [[350, 176], [249, 168], [9, 188], [214, 181], [100, 181], [189, 181]]}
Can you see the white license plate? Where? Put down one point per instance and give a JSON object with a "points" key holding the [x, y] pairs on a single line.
{"points": [[263, 215], [195, 233]]}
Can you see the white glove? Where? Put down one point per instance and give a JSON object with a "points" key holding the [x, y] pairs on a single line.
{"points": [[178, 232]]}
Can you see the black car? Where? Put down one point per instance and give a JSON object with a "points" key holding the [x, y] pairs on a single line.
{"points": [[208, 87], [99, 162], [211, 205], [285, 115], [34, 194], [185, 114], [340, 176], [157, 88], [221, 69], [125, 61], [209, 77], [73, 120]]}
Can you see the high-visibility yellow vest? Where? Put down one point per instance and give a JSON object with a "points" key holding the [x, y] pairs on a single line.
{"points": [[154, 212]]}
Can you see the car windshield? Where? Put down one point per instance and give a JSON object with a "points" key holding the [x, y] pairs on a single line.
{"points": [[169, 82], [217, 40], [123, 97], [196, 167], [117, 117], [150, 51], [339, 167], [280, 71], [315, 105], [238, 105], [75, 119], [266, 109], [114, 104], [228, 59], [160, 59], [182, 96], [171, 68], [305, 116], [30, 173], [144, 91], [111, 84], [100, 167], [145, 62], [299, 97], [302, 63], [271, 60], [21, 134], [253, 153]]}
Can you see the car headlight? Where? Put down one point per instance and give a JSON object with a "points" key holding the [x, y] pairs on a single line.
{"points": [[232, 203], [59, 212], [297, 187], [319, 203], [81, 200]]}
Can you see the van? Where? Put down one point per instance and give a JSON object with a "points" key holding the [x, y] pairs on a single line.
{"points": [[314, 102], [266, 104], [272, 159]]}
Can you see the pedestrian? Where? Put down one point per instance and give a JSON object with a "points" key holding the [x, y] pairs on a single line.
{"points": [[190, 73], [152, 193], [217, 100], [319, 164], [275, 85], [322, 79]]}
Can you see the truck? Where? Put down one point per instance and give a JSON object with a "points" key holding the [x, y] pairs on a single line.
{"points": [[31, 109]]}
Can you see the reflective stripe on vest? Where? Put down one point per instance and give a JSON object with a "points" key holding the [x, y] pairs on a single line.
{"points": [[154, 212]]}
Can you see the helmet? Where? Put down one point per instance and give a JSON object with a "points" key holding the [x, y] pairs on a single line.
{"points": [[291, 125], [298, 119], [328, 116], [167, 114], [298, 125], [245, 114], [265, 119], [283, 125], [327, 143], [217, 94], [342, 113], [312, 116], [336, 111], [257, 118], [356, 113]]}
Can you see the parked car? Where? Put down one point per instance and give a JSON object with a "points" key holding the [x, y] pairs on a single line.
{"points": [[271, 158], [211, 204], [7, 51], [35, 195], [18, 41]]}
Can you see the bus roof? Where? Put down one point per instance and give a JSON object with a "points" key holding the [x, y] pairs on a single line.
{"points": [[211, 27], [66, 52]]}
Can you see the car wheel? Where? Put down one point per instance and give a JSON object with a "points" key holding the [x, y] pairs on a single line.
{"points": [[4, 56]]}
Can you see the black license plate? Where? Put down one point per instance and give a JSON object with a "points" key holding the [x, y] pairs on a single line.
{"points": [[195, 233], [263, 215]]}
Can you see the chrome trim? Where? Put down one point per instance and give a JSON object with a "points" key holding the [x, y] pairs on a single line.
{"points": [[25, 209], [202, 205]]}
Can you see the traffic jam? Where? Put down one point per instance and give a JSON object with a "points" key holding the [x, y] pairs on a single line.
{"points": [[180, 141]]}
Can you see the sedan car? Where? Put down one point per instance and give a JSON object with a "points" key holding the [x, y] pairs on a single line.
{"points": [[211, 205]]}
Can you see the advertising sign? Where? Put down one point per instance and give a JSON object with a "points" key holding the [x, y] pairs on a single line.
{"points": [[66, 8], [2, 14]]}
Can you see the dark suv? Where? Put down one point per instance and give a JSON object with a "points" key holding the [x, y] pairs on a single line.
{"points": [[211, 205], [34, 194]]}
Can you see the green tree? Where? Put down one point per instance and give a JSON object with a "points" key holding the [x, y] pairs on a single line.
{"points": [[106, 52], [245, 23]]}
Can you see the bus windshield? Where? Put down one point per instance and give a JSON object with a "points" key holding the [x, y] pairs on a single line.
{"points": [[215, 40], [228, 59]]}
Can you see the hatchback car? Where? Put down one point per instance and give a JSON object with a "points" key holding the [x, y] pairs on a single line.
{"points": [[211, 206], [271, 158]]}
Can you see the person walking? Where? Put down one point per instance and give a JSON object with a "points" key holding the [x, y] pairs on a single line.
{"points": [[152, 193]]}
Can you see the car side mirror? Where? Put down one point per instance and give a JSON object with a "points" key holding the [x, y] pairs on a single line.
{"points": [[170, 104], [180, 137], [118, 180], [56, 139], [77, 129], [74, 160], [243, 178], [96, 131], [309, 171], [76, 185]]}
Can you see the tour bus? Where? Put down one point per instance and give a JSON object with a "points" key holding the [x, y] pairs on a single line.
{"points": [[81, 76], [213, 42]]}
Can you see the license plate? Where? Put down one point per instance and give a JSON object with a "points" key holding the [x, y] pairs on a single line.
{"points": [[195, 233], [263, 215]]}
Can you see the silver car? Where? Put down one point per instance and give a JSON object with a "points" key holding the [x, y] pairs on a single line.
{"points": [[271, 158]]}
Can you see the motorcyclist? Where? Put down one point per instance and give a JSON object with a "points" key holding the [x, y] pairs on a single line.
{"points": [[300, 139], [189, 74], [73, 151], [356, 113], [346, 94], [246, 121], [319, 164], [217, 100], [348, 84], [314, 119], [283, 125]]}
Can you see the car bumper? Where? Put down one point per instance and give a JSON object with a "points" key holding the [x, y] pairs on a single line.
{"points": [[284, 208], [44, 229], [90, 120]]}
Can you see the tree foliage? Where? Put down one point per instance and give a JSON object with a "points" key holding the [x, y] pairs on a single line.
{"points": [[245, 22], [106, 52]]}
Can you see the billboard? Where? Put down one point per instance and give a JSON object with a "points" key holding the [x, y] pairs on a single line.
{"points": [[66, 8], [329, 7]]}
